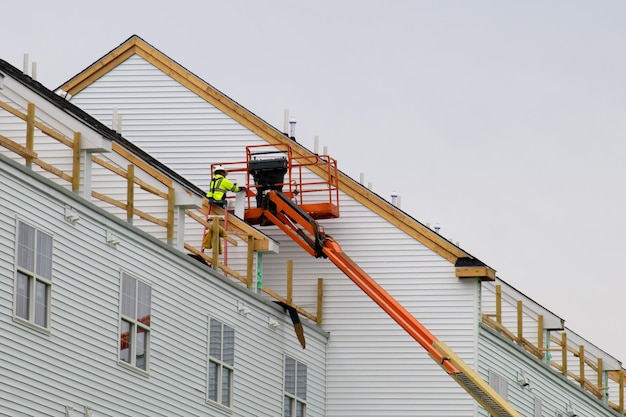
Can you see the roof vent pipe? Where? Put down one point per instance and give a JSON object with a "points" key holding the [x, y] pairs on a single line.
{"points": [[361, 178], [292, 128], [25, 70], [34, 71], [394, 199], [316, 144]]}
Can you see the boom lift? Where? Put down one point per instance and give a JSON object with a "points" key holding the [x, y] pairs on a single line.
{"points": [[297, 220]]}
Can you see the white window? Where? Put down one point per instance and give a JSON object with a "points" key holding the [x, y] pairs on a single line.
{"points": [[33, 275], [135, 322], [294, 388], [221, 362], [498, 383]]}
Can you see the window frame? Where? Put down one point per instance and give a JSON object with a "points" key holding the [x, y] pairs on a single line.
{"points": [[33, 276], [135, 325], [295, 399], [220, 364]]}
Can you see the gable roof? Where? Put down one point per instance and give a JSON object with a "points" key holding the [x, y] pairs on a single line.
{"points": [[466, 264]]}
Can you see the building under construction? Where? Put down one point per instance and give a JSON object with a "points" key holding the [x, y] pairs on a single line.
{"points": [[126, 294]]}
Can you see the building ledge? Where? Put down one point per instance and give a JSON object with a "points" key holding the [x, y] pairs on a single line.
{"points": [[473, 268]]}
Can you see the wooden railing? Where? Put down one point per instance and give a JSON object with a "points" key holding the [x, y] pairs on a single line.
{"points": [[136, 174], [554, 348], [131, 181]]}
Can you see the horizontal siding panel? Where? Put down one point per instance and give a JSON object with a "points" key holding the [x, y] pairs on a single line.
{"points": [[164, 110]]}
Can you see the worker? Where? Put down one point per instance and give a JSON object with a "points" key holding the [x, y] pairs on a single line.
{"points": [[220, 185]]}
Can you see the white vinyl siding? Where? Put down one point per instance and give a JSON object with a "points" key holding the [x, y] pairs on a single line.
{"points": [[174, 126], [546, 386], [60, 157], [78, 366], [374, 367], [166, 120], [115, 186]]}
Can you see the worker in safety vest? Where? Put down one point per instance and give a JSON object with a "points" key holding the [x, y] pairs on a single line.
{"points": [[220, 185]]}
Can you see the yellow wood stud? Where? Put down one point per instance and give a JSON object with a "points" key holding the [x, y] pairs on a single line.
{"points": [[30, 133], [320, 298], [540, 342], [564, 353], [581, 365], [499, 304], [250, 262], [600, 375], [130, 193], [520, 322], [621, 391]]}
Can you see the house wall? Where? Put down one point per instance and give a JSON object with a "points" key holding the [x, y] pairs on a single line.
{"points": [[76, 363], [374, 368], [166, 119], [579, 351], [497, 354]]}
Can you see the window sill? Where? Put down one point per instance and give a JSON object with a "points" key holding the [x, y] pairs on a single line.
{"points": [[133, 369], [32, 326], [219, 407]]}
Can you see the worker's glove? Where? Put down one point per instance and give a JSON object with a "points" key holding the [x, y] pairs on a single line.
{"points": [[242, 189]]}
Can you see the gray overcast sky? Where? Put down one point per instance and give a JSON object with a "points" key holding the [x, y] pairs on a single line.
{"points": [[501, 121]]}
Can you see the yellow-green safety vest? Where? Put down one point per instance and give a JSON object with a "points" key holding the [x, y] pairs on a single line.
{"points": [[219, 186]]}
